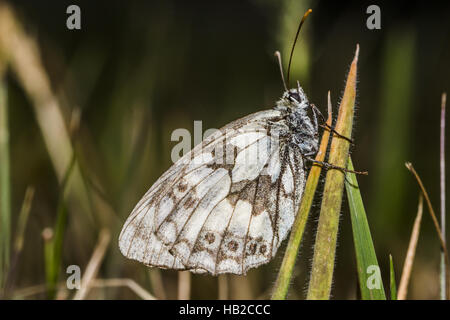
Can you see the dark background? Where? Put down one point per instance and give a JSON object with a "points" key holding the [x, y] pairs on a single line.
{"points": [[137, 70]]}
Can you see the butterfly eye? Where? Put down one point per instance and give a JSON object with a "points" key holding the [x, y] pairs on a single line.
{"points": [[294, 97]]}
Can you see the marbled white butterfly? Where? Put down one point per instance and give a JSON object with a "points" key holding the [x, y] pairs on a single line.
{"points": [[227, 205]]}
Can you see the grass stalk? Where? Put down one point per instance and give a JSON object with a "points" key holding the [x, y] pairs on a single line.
{"points": [[408, 264], [392, 283], [325, 245], [222, 287], [287, 266], [53, 245], [184, 285], [55, 249], [5, 183], [443, 272], [93, 266]]}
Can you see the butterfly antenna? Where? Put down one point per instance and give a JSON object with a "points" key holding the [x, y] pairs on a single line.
{"points": [[295, 41], [277, 54]]}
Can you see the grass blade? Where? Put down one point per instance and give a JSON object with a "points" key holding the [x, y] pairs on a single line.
{"points": [[366, 259], [5, 183], [284, 275], [442, 185], [57, 246], [407, 266], [54, 244], [325, 245], [393, 284]]}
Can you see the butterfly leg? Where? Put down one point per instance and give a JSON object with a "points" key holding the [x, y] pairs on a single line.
{"points": [[332, 166], [317, 112]]}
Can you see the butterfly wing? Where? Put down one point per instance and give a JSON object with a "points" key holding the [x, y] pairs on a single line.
{"points": [[225, 206]]}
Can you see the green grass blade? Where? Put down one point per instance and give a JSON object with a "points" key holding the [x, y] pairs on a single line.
{"points": [[369, 275], [393, 284], [5, 184], [57, 244], [326, 237], [54, 244]]}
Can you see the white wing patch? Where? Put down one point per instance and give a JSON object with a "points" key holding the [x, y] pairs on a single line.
{"points": [[207, 214], [251, 160]]}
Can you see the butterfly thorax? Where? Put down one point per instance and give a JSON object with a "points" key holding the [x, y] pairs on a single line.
{"points": [[303, 130]]}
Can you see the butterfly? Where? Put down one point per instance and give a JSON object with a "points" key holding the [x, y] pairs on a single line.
{"points": [[227, 205], [228, 211]]}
